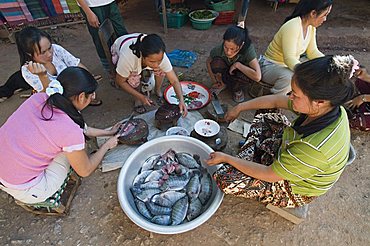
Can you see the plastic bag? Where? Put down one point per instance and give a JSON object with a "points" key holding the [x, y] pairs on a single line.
{"points": [[182, 58]]}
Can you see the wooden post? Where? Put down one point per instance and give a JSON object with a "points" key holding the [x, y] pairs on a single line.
{"points": [[164, 15]]}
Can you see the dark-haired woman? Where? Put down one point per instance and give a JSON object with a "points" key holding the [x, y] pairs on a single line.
{"points": [[359, 106], [136, 52], [289, 165], [45, 136], [233, 63], [36, 50], [295, 38]]}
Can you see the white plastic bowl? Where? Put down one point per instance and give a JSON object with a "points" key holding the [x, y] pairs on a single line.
{"points": [[207, 128], [177, 130], [133, 164]]}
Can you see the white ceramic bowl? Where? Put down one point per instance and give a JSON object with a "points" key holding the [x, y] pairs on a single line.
{"points": [[177, 130], [130, 170], [207, 128]]}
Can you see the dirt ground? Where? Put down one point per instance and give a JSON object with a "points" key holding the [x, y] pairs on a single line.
{"points": [[341, 217]]}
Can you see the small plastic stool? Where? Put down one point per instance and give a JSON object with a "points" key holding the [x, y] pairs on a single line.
{"points": [[59, 203]]}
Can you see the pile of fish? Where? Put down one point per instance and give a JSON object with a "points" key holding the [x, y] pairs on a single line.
{"points": [[171, 188]]}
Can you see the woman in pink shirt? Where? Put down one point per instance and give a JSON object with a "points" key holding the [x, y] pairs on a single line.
{"points": [[45, 136]]}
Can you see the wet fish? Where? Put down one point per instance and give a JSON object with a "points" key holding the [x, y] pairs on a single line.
{"points": [[154, 176], [193, 187], [150, 162], [187, 160], [144, 211], [161, 219], [167, 198], [145, 194], [206, 188], [158, 210], [194, 210], [175, 182], [140, 178], [151, 185], [179, 210]]}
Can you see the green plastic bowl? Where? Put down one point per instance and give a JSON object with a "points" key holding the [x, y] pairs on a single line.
{"points": [[201, 25]]}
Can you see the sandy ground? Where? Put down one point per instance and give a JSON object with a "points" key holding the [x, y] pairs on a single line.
{"points": [[341, 217]]}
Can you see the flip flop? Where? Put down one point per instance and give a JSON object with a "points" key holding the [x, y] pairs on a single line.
{"points": [[216, 88], [98, 77], [96, 102], [140, 109]]}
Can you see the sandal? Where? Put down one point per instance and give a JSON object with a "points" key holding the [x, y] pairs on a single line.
{"points": [[98, 77], [140, 109], [238, 96], [217, 88], [96, 102], [160, 101]]}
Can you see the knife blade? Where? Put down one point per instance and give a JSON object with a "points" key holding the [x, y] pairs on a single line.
{"points": [[123, 127], [217, 106]]}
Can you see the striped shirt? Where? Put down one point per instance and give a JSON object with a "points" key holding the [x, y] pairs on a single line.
{"points": [[314, 163]]}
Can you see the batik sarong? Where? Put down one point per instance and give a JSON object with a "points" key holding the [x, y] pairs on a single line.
{"points": [[261, 146]]}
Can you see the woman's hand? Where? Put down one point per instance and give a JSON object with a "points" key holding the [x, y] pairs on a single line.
{"points": [[134, 79], [216, 158], [111, 142], [234, 67], [183, 109], [146, 100], [36, 68], [232, 114], [355, 102], [115, 128]]}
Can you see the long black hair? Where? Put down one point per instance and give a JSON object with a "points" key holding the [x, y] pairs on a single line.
{"points": [[74, 81], [237, 35], [326, 78], [27, 40], [149, 45], [304, 8]]}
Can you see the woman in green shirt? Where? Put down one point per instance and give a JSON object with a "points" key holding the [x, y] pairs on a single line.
{"points": [[302, 160], [233, 63]]}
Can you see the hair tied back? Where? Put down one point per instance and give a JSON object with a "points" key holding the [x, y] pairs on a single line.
{"points": [[344, 64], [54, 87]]}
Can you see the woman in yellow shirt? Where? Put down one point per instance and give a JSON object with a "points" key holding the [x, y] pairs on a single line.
{"points": [[296, 37]]}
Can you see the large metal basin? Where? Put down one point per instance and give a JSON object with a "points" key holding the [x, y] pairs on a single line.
{"points": [[130, 170]]}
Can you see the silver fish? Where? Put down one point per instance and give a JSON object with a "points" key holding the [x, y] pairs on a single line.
{"points": [[161, 219], [206, 188], [144, 211], [179, 210], [175, 182], [180, 169], [194, 210], [150, 185], [167, 198], [146, 194], [154, 176], [140, 178], [187, 160], [193, 187], [150, 162], [158, 210]]}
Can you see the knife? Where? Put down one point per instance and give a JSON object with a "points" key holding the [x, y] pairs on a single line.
{"points": [[217, 106], [123, 127]]}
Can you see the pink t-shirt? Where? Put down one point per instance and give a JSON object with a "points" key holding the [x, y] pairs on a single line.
{"points": [[28, 143]]}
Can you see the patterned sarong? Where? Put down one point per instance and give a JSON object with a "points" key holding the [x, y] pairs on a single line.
{"points": [[35, 8], [261, 146], [12, 12]]}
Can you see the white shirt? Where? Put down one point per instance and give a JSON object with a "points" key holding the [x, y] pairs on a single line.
{"points": [[128, 62], [61, 60], [98, 3]]}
